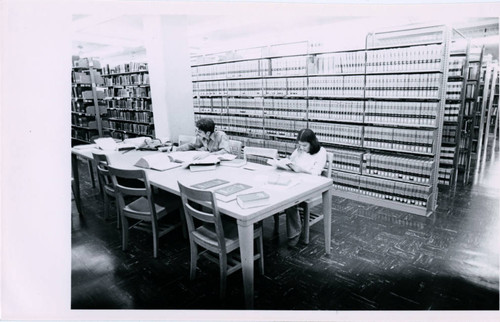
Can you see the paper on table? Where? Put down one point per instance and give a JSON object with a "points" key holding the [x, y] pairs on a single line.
{"points": [[183, 156], [157, 161], [106, 144], [281, 182], [109, 144], [236, 163], [85, 146]]}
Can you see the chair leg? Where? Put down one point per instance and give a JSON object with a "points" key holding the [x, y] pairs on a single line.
{"points": [[124, 232], [307, 215], [118, 217], [155, 237], [183, 223], [276, 223], [223, 275], [194, 260], [91, 171], [106, 206]]}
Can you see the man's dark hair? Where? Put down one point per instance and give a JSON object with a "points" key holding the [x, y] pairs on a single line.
{"points": [[307, 135], [206, 125]]}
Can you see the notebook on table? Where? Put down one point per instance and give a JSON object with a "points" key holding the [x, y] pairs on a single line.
{"points": [[209, 184], [228, 193]]}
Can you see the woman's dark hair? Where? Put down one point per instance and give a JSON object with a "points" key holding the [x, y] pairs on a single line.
{"points": [[206, 125], [307, 135]]}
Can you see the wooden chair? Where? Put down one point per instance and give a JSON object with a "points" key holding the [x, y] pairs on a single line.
{"points": [[183, 139], [258, 154], [143, 208], [313, 218], [216, 235], [310, 218], [235, 147], [106, 184]]}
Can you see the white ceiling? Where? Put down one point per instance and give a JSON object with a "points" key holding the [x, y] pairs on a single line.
{"points": [[110, 35]]}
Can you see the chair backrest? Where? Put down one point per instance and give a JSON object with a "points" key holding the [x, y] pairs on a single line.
{"points": [[183, 139], [258, 152], [121, 181], [202, 205], [102, 163], [235, 147], [328, 169]]}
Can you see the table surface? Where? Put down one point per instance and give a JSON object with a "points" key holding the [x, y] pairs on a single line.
{"points": [[303, 187], [300, 189]]}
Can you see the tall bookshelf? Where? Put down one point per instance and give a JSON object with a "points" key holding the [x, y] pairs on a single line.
{"points": [[488, 102], [379, 109], [470, 106], [462, 90], [128, 101], [88, 109], [490, 124]]}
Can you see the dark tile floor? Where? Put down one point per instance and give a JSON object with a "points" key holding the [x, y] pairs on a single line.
{"points": [[381, 260]]}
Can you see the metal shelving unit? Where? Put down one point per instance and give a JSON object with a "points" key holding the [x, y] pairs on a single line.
{"points": [[269, 114]]}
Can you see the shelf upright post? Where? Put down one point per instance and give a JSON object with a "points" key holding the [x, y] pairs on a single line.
{"points": [[446, 39], [484, 103], [473, 119], [94, 96], [459, 136], [489, 111], [497, 120]]}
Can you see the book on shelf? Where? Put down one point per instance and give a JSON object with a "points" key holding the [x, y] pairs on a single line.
{"points": [[209, 184], [156, 161], [228, 193], [254, 199]]}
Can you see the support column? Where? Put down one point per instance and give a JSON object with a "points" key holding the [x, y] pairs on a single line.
{"points": [[165, 40]]}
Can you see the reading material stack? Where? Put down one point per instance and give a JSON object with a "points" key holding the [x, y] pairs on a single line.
{"points": [[379, 110]]}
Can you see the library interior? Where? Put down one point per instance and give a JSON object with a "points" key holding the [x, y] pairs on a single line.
{"points": [[404, 216]]}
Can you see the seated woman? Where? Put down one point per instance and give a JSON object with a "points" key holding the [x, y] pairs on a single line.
{"points": [[310, 158]]}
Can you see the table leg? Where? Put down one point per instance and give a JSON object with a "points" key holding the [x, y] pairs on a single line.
{"points": [[91, 171], [76, 181], [327, 220], [245, 233]]}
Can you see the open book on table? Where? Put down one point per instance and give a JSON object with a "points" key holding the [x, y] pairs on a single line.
{"points": [[284, 164], [156, 161]]}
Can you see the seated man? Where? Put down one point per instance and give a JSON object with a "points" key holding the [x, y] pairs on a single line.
{"points": [[207, 139]]}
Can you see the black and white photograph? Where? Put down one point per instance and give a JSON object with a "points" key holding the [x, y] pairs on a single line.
{"points": [[254, 161]]}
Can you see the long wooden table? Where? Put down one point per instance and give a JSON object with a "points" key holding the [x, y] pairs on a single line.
{"points": [[281, 198]]}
